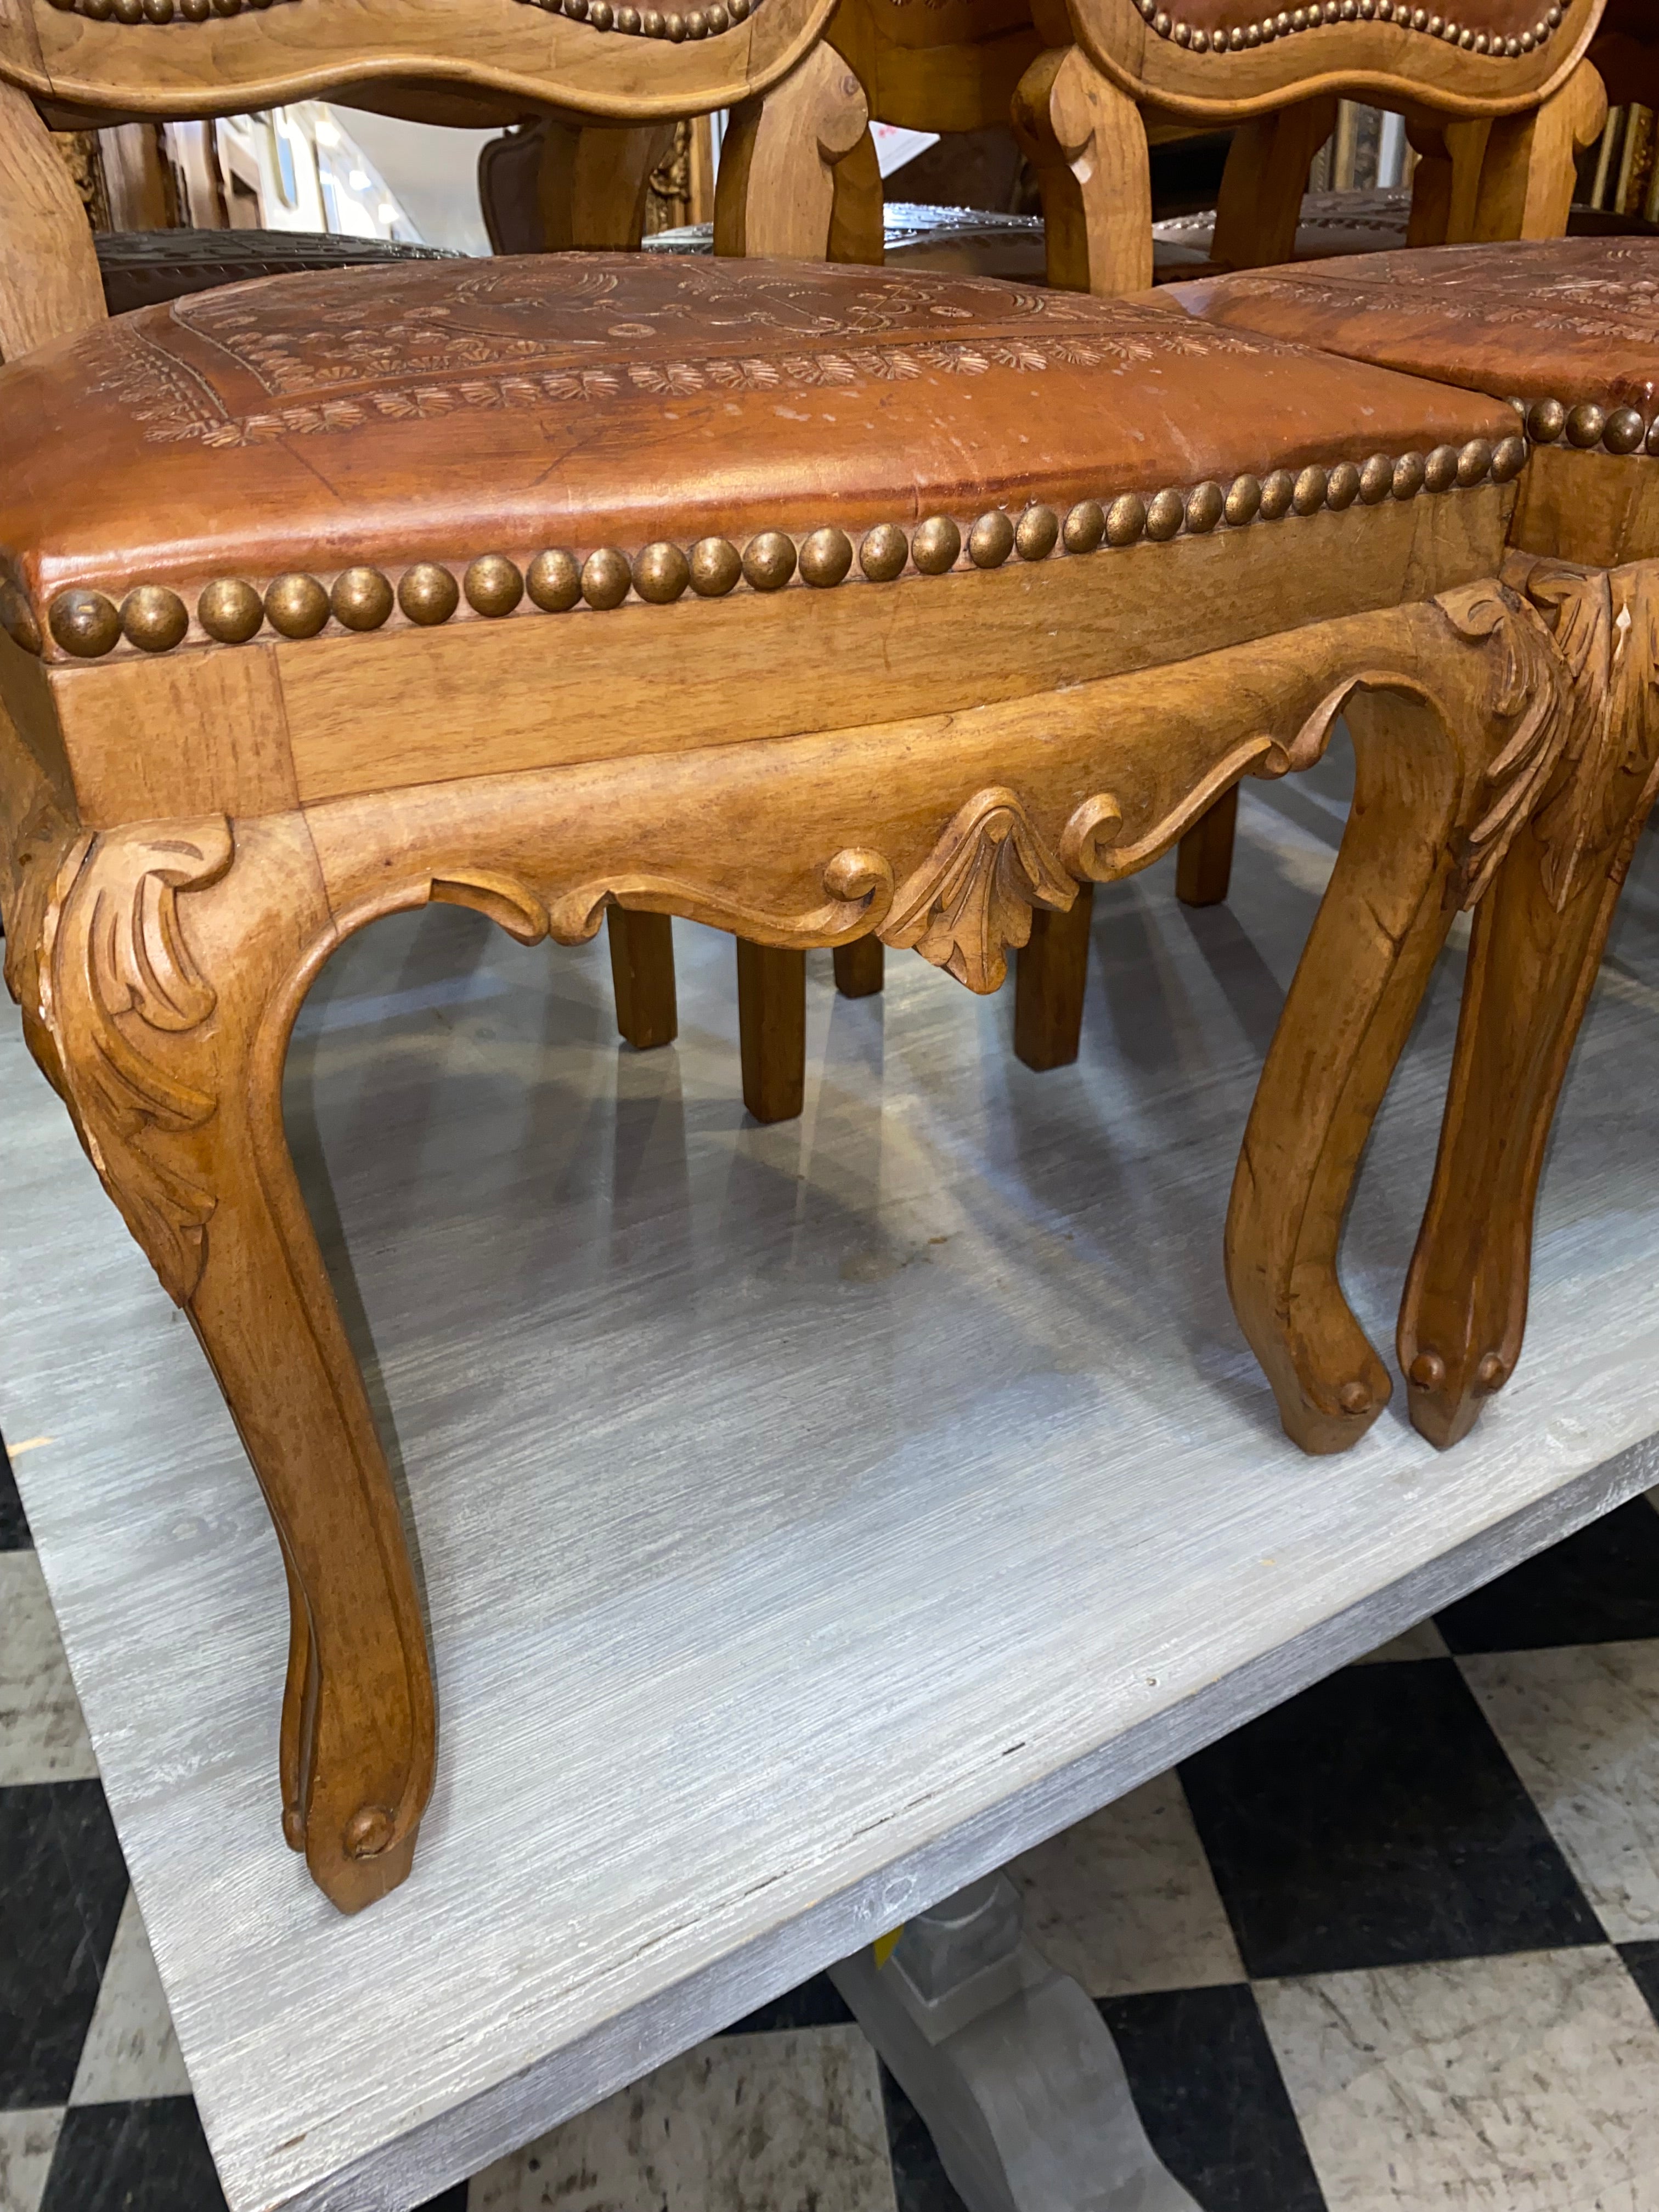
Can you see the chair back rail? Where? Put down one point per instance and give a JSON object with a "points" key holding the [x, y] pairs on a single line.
{"points": [[84, 61]]}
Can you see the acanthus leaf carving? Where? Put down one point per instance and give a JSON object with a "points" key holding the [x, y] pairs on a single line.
{"points": [[1604, 626], [1529, 683], [115, 967], [972, 897]]}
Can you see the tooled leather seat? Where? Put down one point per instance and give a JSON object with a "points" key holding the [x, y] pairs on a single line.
{"points": [[144, 268], [1567, 328], [515, 435]]}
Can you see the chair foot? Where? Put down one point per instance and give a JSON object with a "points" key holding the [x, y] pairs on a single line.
{"points": [[772, 1029], [860, 968], [1204, 859], [642, 973], [1050, 978]]}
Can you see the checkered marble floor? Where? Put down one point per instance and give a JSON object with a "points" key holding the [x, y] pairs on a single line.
{"points": [[1393, 1948]]}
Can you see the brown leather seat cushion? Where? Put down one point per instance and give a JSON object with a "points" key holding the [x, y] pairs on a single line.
{"points": [[1573, 320], [146, 268], [439, 410]]}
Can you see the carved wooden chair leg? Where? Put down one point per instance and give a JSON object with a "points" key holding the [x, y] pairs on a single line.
{"points": [[775, 193], [1259, 207], [642, 974], [772, 1029], [172, 961], [1050, 978], [1526, 176], [860, 968], [1087, 142], [856, 222], [1536, 945], [1384, 916], [1204, 860], [592, 184], [1446, 182]]}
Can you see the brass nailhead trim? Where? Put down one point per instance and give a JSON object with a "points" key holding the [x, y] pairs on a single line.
{"points": [[1286, 25], [675, 26], [1616, 429], [229, 610]]}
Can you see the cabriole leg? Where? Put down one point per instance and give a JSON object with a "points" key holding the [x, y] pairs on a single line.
{"points": [[173, 959], [1536, 945]]}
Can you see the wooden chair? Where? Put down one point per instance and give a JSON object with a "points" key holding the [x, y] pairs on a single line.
{"points": [[814, 629], [1496, 110], [1571, 332]]}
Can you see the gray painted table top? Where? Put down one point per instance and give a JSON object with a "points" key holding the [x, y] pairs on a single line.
{"points": [[810, 1517]]}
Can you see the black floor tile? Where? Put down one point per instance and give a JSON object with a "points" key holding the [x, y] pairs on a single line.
{"points": [[147, 2157], [817, 2004], [1211, 2099], [919, 2182], [1375, 1821], [62, 1883], [14, 1528], [1598, 1587], [1642, 1960]]}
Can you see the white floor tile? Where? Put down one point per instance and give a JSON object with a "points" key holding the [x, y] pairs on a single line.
{"points": [[43, 1737], [1581, 1727], [1126, 1901], [27, 2143], [785, 2123], [1521, 2084], [130, 2049], [1423, 1642]]}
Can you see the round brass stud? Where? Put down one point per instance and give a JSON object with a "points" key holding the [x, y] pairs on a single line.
{"points": [[17, 618], [991, 540], [935, 544], [599, 14], [1308, 493], [492, 585], [362, 599], [1126, 519], [1165, 513], [606, 577], [554, 582], [1427, 1370], [1408, 473], [1623, 431], [884, 553], [1243, 500], [825, 557], [1490, 1374], [153, 618], [1509, 458], [1354, 1398], [230, 610], [769, 561], [1585, 423], [1653, 435], [1278, 490], [1546, 420], [661, 573], [296, 606], [128, 11], [1206, 505], [1342, 486], [715, 568], [428, 594], [1036, 533], [1084, 526], [1473, 462], [368, 1832], [195, 11]]}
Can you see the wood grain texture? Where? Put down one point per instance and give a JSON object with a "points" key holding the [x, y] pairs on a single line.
{"points": [[1262, 185], [1528, 173], [50, 287], [776, 191], [860, 968], [1085, 139], [642, 974], [624, 1539], [1536, 949], [772, 1028], [198, 734], [491, 64], [591, 184]]}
